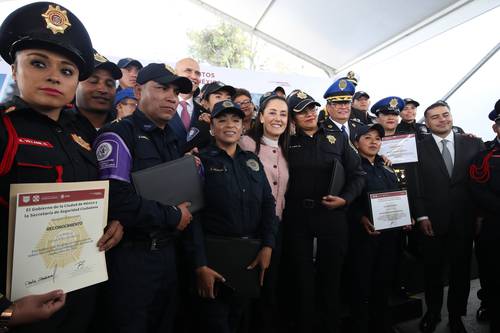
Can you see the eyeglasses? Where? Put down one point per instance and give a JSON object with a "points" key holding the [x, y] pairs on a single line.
{"points": [[245, 103], [305, 112]]}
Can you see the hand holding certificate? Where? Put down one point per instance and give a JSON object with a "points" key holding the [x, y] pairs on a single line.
{"points": [[390, 209], [53, 232]]}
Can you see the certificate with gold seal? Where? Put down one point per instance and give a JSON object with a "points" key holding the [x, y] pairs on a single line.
{"points": [[53, 234]]}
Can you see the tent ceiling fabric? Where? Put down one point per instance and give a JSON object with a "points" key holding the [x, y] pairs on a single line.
{"points": [[333, 34]]}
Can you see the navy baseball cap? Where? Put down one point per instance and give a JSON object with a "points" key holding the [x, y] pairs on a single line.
{"points": [[373, 127], [164, 74], [125, 62], [101, 62], [215, 86], [359, 94], [411, 101], [299, 100], [227, 106]]}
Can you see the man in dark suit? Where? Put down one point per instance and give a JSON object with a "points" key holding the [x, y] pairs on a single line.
{"points": [[188, 110], [446, 215]]}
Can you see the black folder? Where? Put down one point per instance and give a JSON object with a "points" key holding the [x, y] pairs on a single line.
{"points": [[230, 257], [171, 183], [338, 179]]}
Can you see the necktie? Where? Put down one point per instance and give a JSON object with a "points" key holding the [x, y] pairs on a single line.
{"points": [[186, 119], [344, 132], [447, 157]]}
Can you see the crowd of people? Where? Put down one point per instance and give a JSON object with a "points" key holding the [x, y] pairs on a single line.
{"points": [[267, 173]]}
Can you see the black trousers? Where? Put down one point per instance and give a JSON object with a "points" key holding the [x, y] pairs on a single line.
{"points": [[489, 240], [373, 263], [449, 254], [221, 315], [315, 283], [142, 289]]}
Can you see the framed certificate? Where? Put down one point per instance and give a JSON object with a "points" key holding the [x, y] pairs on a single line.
{"points": [[400, 148], [390, 209], [53, 234]]}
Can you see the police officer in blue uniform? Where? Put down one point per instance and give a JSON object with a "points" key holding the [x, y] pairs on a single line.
{"points": [[40, 139], [311, 212], [485, 185], [372, 254], [338, 107], [142, 272], [239, 203]]}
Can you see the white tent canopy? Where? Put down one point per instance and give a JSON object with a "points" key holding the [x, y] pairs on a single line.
{"points": [[336, 34]]}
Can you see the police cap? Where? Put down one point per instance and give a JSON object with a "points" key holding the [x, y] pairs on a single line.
{"points": [[125, 62], [495, 114], [101, 62], [164, 74], [341, 90], [372, 127], [227, 106], [48, 26], [388, 105], [216, 86], [298, 100]]}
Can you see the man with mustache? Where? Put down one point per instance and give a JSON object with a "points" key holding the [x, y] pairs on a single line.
{"points": [[95, 96]]}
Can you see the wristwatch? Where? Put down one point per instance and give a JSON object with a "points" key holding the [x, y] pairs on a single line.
{"points": [[5, 319]]}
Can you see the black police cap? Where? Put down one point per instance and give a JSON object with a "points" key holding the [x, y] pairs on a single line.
{"points": [[359, 94], [227, 106], [411, 101], [164, 74], [372, 127], [125, 62], [299, 100], [216, 86], [101, 62], [48, 26], [495, 114]]}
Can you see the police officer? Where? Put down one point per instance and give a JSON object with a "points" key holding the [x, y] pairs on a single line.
{"points": [[360, 107], [40, 141], [311, 212], [239, 203], [146, 257], [373, 254], [95, 95], [338, 106], [199, 133], [485, 185]]}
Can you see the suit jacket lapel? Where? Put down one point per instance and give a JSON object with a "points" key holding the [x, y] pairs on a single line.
{"points": [[434, 152], [459, 161], [177, 125]]}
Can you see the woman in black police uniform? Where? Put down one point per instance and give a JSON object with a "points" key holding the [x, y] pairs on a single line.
{"points": [[372, 254], [239, 203], [50, 51], [311, 213]]}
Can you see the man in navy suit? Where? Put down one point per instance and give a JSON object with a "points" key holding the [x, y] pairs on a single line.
{"points": [[446, 214], [188, 110]]}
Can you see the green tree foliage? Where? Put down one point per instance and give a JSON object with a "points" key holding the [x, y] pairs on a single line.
{"points": [[224, 45]]}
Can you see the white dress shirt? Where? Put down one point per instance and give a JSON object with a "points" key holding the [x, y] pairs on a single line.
{"points": [[339, 125], [450, 144], [189, 105]]}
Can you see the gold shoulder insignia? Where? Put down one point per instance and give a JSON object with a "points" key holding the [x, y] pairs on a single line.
{"points": [[56, 19], [82, 143], [331, 139]]}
